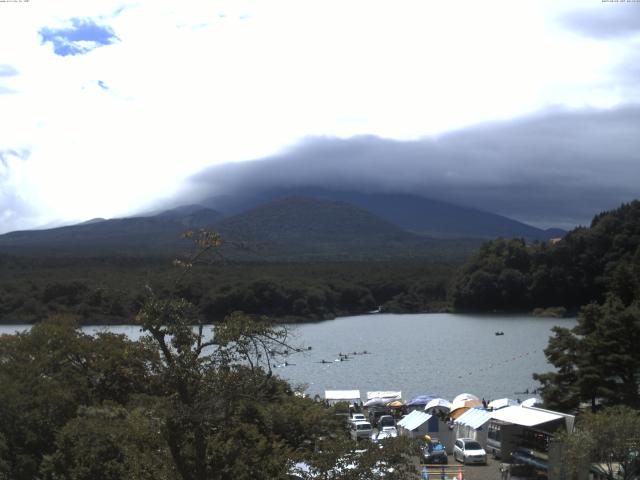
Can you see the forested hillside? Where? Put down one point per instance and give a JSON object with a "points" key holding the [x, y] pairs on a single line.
{"points": [[581, 268], [110, 289]]}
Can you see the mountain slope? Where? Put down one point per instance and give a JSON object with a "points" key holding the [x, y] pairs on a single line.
{"points": [[302, 227], [134, 235], [410, 212]]}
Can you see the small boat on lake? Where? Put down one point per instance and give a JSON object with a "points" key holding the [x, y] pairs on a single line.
{"points": [[499, 333]]}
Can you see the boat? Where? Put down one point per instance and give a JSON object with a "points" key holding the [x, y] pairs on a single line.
{"points": [[500, 333]]}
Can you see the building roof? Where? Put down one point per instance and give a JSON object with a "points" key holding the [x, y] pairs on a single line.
{"points": [[474, 418], [341, 395], [527, 417], [414, 420]]}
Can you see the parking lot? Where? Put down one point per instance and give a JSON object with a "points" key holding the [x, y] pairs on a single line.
{"points": [[490, 471]]}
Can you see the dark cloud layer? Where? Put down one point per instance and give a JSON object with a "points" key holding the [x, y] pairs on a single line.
{"points": [[609, 19], [82, 36], [552, 169]]}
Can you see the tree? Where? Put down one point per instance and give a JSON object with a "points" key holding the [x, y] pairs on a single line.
{"points": [[598, 361], [51, 371], [607, 442]]}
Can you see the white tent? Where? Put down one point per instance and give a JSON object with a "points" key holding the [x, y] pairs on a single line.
{"points": [[531, 402], [414, 424], [391, 395], [465, 396], [471, 424], [438, 403], [336, 396], [501, 403]]}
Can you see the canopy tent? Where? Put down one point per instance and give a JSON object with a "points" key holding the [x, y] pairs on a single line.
{"points": [[420, 400], [458, 407], [474, 418], [396, 404], [501, 403], [335, 396], [530, 402], [465, 396], [414, 420], [392, 395], [525, 416], [438, 404], [471, 423], [378, 402]]}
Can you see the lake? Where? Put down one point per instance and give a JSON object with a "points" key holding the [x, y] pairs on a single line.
{"points": [[436, 353]]}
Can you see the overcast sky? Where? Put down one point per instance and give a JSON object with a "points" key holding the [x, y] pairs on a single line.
{"points": [[527, 108]]}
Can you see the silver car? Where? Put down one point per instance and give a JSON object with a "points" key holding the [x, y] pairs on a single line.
{"points": [[467, 450]]}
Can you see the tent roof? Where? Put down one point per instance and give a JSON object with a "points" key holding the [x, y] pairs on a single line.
{"points": [[525, 416], [502, 402], [438, 402], [382, 394], [474, 418], [414, 420], [339, 395], [421, 400]]}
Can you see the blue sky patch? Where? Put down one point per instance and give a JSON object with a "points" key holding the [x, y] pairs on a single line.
{"points": [[82, 36]]}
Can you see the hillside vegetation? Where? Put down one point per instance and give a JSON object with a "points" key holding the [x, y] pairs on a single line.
{"points": [[105, 290], [595, 270], [583, 267]]}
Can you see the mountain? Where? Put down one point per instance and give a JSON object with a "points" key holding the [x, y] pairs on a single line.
{"points": [[134, 235], [302, 227], [409, 212], [292, 228]]}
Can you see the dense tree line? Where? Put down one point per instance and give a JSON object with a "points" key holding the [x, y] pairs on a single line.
{"points": [[595, 271], [581, 268], [182, 403], [109, 289], [187, 402]]}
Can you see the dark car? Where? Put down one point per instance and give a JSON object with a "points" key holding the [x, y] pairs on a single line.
{"points": [[385, 421], [374, 415], [435, 452]]}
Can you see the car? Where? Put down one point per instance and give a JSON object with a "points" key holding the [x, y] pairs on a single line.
{"points": [[359, 430], [435, 452], [357, 417], [386, 421], [467, 450], [375, 414], [384, 432]]}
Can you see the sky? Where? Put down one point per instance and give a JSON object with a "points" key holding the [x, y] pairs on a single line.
{"points": [[529, 109]]}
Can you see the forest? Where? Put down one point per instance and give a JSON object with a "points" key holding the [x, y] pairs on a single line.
{"points": [[189, 403], [592, 271], [110, 290]]}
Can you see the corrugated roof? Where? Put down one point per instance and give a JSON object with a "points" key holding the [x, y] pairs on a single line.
{"points": [[414, 420], [383, 394], [474, 418], [342, 395], [527, 417]]}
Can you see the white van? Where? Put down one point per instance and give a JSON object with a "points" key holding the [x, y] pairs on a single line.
{"points": [[360, 430]]}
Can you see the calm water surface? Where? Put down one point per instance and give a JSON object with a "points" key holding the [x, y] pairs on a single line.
{"points": [[443, 354]]}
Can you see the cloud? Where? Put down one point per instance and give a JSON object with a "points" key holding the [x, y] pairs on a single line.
{"points": [[609, 20], [556, 168], [80, 37], [15, 211], [7, 71]]}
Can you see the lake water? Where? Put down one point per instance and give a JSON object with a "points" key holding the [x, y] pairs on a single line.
{"points": [[443, 354]]}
